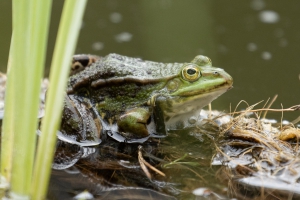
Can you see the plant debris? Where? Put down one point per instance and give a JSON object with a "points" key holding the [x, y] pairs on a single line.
{"points": [[261, 159]]}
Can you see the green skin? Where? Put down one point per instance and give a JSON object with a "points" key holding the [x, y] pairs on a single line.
{"points": [[134, 99]]}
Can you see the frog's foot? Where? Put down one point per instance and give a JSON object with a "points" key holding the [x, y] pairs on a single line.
{"points": [[81, 61], [80, 123], [132, 124]]}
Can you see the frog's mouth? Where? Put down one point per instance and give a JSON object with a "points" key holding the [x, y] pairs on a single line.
{"points": [[188, 101], [181, 109], [207, 86]]}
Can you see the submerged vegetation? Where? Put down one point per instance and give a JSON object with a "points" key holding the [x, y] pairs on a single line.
{"points": [[224, 156]]}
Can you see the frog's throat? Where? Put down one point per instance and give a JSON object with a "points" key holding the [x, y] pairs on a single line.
{"points": [[184, 105]]}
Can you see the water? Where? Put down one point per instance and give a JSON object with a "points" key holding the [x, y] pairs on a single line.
{"points": [[255, 41]]}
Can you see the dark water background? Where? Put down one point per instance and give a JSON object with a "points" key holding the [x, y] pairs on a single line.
{"points": [[255, 41]]}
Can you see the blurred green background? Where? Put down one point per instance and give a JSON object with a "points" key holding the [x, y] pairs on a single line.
{"points": [[255, 41]]}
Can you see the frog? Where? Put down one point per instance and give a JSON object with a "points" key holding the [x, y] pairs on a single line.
{"points": [[131, 99]]}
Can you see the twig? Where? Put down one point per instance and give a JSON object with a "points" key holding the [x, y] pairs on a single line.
{"points": [[144, 163], [293, 108], [270, 104]]}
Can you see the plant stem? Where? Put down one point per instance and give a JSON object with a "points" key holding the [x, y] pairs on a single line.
{"points": [[30, 27], [64, 48], [7, 136], [24, 141]]}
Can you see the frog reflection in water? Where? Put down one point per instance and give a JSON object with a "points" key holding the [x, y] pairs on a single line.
{"points": [[131, 99]]}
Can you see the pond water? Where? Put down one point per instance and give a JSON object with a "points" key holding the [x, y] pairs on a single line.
{"points": [[255, 41]]}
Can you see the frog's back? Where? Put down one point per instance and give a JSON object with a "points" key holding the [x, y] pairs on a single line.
{"points": [[116, 68]]}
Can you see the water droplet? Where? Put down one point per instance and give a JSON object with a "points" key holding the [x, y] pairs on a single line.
{"points": [[283, 42], [97, 46], [257, 4], [115, 17], [269, 16], [84, 195], [252, 47], [285, 122], [123, 37], [266, 55], [202, 192], [222, 48]]}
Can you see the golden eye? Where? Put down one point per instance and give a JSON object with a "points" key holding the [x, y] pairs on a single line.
{"points": [[191, 73]]}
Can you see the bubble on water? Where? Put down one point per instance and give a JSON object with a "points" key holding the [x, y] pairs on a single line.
{"points": [[283, 42], [202, 192], [115, 17], [97, 46], [84, 195], [257, 4], [285, 122], [270, 121], [252, 47], [123, 37], [222, 48], [269, 16], [266, 55]]}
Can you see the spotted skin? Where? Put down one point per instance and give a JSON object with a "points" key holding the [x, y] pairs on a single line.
{"points": [[131, 99]]}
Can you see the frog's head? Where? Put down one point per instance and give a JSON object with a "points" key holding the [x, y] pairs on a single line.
{"points": [[199, 80], [197, 84]]}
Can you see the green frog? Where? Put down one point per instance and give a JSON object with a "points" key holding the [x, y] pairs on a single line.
{"points": [[131, 99]]}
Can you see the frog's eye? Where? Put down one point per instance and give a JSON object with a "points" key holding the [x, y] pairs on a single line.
{"points": [[191, 73]]}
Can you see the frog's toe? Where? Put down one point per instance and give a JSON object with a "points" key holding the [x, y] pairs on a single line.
{"points": [[133, 123], [132, 131]]}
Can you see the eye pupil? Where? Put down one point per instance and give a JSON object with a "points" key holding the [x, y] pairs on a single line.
{"points": [[191, 71]]}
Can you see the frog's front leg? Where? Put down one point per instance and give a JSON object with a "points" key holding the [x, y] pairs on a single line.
{"points": [[132, 124]]}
